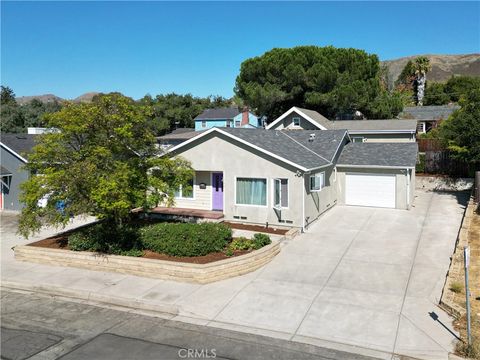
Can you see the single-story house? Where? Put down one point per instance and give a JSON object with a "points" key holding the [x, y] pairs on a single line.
{"points": [[391, 130], [230, 117], [427, 117], [291, 177], [14, 149]]}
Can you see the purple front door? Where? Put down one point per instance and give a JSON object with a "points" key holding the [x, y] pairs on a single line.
{"points": [[217, 191]]}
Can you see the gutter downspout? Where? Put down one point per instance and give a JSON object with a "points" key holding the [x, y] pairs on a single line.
{"points": [[408, 189]]}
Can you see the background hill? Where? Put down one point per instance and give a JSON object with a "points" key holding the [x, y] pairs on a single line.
{"points": [[443, 66], [50, 98]]}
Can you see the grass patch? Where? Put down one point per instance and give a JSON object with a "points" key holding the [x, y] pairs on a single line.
{"points": [[456, 287]]}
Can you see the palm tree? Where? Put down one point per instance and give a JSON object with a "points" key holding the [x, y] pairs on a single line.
{"points": [[421, 66]]}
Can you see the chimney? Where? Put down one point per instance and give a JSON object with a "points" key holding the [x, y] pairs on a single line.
{"points": [[245, 116]]}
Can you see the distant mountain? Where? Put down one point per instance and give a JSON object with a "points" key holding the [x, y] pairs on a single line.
{"points": [[443, 66], [46, 98]]}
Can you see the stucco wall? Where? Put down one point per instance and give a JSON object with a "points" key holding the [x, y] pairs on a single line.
{"points": [[400, 179], [12, 163], [234, 160], [385, 137], [317, 202], [287, 123]]}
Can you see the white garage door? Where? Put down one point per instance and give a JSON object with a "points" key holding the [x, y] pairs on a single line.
{"points": [[370, 190]]}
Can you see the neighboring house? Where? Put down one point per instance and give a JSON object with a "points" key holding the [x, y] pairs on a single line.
{"points": [[427, 117], [14, 152], [229, 117], [291, 177], [176, 137], [360, 130]]}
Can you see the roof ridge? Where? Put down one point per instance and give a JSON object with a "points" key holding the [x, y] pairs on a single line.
{"points": [[299, 143]]}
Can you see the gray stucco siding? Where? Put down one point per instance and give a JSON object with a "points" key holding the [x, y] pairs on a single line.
{"points": [[401, 183], [11, 195], [222, 154]]}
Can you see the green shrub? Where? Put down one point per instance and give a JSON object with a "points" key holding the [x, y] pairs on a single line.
{"points": [[185, 239], [107, 238], [456, 287], [420, 167], [261, 240]]}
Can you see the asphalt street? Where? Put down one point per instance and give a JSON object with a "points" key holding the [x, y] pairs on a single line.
{"points": [[40, 327]]}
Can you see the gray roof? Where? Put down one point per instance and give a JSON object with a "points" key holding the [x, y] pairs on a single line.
{"points": [[380, 154], [319, 118], [433, 112], [221, 113], [294, 145], [179, 134], [375, 125], [22, 144]]}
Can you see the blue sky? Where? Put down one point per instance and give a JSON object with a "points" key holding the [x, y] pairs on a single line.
{"points": [[69, 48]]}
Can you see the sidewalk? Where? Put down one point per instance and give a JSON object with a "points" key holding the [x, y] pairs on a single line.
{"points": [[299, 296]]}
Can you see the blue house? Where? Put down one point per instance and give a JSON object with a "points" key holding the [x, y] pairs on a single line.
{"points": [[227, 117]]}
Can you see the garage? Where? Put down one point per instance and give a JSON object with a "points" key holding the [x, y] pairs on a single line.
{"points": [[376, 190]]}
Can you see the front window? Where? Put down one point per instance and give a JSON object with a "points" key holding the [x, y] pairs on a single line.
{"points": [[237, 123], [185, 192], [280, 193], [229, 123], [317, 182], [296, 121], [204, 124], [251, 191]]}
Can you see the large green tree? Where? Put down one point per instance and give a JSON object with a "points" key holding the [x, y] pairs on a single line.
{"points": [[103, 161], [461, 131], [330, 80], [172, 110]]}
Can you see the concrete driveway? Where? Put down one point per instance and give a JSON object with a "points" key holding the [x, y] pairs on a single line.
{"points": [[365, 280]]}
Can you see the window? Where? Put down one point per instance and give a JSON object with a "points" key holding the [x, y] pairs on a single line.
{"points": [[296, 121], [185, 192], [280, 193], [229, 123], [251, 191], [204, 123], [238, 123], [317, 181], [358, 139]]}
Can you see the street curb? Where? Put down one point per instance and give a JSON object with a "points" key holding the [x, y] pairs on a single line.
{"points": [[93, 298]]}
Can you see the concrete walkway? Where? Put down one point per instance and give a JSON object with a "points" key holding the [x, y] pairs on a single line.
{"points": [[361, 279]]}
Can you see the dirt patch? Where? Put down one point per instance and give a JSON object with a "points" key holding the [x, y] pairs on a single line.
{"points": [[61, 242], [474, 282], [256, 228]]}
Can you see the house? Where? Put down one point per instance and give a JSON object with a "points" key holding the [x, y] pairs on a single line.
{"points": [[229, 117], [290, 178], [14, 152], [176, 137], [391, 130], [427, 117]]}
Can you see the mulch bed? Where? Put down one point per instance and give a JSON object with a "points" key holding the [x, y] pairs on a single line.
{"points": [[61, 242], [257, 228]]}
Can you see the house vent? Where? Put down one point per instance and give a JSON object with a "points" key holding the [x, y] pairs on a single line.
{"points": [[312, 137]]}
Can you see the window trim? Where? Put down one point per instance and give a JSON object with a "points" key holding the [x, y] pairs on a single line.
{"points": [[322, 185], [193, 191], [256, 178], [288, 193], [296, 118]]}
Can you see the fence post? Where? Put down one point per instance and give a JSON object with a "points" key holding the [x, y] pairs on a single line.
{"points": [[477, 187]]}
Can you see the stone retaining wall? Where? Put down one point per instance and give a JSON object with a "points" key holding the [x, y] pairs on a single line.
{"points": [[158, 269], [440, 183]]}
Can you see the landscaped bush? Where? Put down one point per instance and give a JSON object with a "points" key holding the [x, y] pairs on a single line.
{"points": [[105, 238], [242, 243], [185, 239]]}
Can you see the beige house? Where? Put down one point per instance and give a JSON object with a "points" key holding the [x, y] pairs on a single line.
{"points": [[392, 130], [291, 177]]}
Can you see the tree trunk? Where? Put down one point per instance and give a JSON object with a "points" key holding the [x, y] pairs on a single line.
{"points": [[421, 80]]}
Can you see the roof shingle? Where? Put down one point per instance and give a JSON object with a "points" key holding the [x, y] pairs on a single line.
{"points": [[380, 154]]}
